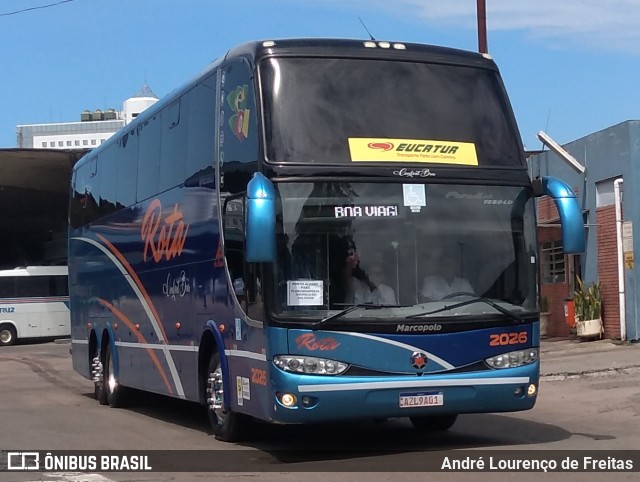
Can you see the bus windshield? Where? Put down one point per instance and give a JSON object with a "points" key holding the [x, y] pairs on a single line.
{"points": [[406, 248], [313, 106]]}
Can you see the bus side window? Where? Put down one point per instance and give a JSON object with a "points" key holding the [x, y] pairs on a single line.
{"points": [[32, 286], [58, 286], [7, 287]]}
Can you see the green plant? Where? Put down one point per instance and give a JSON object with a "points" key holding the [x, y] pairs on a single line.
{"points": [[587, 301]]}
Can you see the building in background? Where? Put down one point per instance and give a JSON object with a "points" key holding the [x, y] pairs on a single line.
{"points": [[608, 155], [92, 130]]}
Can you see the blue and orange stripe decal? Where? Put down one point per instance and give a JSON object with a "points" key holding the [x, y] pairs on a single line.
{"points": [[133, 280]]}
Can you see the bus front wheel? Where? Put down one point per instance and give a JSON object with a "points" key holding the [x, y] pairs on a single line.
{"points": [[434, 423], [8, 335], [227, 426]]}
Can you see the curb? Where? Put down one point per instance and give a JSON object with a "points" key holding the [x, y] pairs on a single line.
{"points": [[555, 377]]}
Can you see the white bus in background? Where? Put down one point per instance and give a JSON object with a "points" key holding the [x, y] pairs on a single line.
{"points": [[34, 303]]}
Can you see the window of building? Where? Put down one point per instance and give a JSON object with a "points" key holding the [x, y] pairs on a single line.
{"points": [[605, 193], [93, 142], [552, 262], [68, 143], [85, 142], [77, 142], [60, 144], [44, 144], [52, 144]]}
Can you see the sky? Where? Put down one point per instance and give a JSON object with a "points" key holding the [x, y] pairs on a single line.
{"points": [[571, 67]]}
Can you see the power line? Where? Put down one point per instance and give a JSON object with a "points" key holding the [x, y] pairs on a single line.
{"points": [[35, 8]]}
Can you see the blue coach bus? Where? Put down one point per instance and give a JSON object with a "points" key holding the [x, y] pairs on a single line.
{"points": [[267, 240]]}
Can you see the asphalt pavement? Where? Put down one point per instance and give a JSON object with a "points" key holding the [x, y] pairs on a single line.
{"points": [[563, 358]]}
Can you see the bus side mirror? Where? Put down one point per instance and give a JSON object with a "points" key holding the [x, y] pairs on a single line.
{"points": [[260, 227], [569, 210]]}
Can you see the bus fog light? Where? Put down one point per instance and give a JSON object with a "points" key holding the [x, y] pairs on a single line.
{"points": [[513, 359], [532, 390], [309, 365], [287, 399], [309, 402]]}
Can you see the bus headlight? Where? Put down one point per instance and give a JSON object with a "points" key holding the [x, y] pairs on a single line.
{"points": [[309, 364], [513, 359]]}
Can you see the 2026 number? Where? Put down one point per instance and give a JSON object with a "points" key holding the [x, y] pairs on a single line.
{"points": [[502, 339]]}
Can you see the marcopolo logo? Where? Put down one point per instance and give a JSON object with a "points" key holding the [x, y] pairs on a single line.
{"points": [[381, 146], [418, 328]]}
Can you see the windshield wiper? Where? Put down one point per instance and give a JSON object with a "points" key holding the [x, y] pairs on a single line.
{"points": [[479, 299], [339, 314]]}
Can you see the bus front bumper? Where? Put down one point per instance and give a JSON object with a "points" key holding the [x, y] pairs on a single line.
{"points": [[308, 398]]}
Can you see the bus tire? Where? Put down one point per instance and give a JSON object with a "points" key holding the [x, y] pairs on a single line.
{"points": [[8, 335], [227, 426], [97, 374], [114, 392], [434, 423]]}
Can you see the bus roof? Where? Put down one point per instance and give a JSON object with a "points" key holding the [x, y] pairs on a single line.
{"points": [[35, 271], [361, 48], [311, 47]]}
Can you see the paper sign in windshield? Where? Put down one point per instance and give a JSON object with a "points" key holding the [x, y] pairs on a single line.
{"points": [[305, 293], [412, 150]]}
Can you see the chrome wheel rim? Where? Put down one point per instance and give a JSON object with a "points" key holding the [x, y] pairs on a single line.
{"points": [[216, 391], [6, 336]]}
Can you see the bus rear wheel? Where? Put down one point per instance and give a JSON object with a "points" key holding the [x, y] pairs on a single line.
{"points": [[114, 392], [227, 426], [434, 423], [8, 335], [97, 376]]}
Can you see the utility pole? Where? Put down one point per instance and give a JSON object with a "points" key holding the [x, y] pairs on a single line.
{"points": [[482, 27]]}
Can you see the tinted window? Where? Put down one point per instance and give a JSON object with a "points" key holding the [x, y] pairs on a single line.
{"points": [[314, 106], [58, 286], [173, 148], [86, 196], [108, 171], [202, 131], [238, 153], [32, 286], [149, 157], [127, 169], [7, 287]]}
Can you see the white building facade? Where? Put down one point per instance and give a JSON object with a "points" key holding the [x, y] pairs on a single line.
{"points": [[92, 130]]}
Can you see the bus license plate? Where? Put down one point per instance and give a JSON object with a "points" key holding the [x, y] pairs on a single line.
{"points": [[426, 399]]}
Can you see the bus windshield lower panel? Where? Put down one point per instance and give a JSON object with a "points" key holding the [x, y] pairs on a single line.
{"points": [[405, 248]]}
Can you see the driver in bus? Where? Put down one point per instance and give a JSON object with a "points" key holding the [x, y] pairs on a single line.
{"points": [[446, 280], [365, 287]]}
